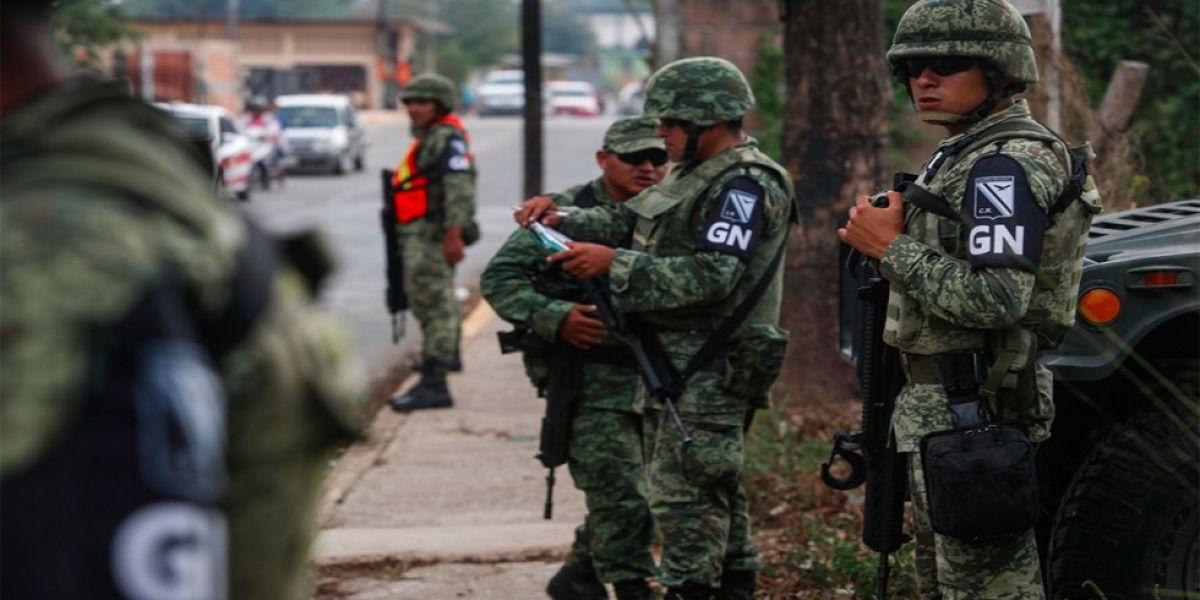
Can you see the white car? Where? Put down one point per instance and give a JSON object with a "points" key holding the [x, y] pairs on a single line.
{"points": [[575, 98], [631, 98], [501, 93], [322, 131], [231, 149]]}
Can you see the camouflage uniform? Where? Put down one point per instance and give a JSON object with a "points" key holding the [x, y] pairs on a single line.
{"points": [[686, 271], [971, 285], [605, 453], [102, 206], [428, 278]]}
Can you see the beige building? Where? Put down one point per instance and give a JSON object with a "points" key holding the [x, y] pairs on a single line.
{"points": [[357, 57]]}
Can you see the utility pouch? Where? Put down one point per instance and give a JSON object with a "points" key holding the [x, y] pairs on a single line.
{"points": [[533, 351], [753, 361], [980, 481], [471, 233]]}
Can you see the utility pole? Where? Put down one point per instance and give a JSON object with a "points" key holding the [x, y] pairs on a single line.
{"points": [[231, 19], [531, 62]]}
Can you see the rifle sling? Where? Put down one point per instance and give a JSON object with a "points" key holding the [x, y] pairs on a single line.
{"points": [[716, 341]]}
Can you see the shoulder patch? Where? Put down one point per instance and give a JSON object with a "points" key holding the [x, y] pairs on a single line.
{"points": [[457, 158], [1007, 225], [735, 220]]}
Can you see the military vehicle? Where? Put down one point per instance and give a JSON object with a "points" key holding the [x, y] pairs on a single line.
{"points": [[1119, 478], [1121, 472]]}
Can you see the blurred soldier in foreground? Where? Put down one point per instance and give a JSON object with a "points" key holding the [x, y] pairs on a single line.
{"points": [[704, 271], [435, 206], [983, 252], [573, 360], [170, 397]]}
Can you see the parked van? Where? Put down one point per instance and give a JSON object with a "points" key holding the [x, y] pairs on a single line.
{"points": [[322, 131]]}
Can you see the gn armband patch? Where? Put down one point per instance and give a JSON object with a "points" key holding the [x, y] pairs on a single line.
{"points": [[735, 221], [1007, 224], [457, 158]]}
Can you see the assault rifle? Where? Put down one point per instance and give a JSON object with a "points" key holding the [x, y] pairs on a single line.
{"points": [[658, 374], [395, 297], [565, 368], [871, 451]]}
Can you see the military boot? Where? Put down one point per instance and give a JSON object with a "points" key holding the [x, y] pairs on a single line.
{"points": [[576, 580], [737, 585], [633, 589], [421, 365], [689, 591], [430, 392]]}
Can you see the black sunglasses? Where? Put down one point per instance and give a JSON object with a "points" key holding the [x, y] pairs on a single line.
{"points": [[408, 101], [656, 157], [940, 65], [668, 122]]}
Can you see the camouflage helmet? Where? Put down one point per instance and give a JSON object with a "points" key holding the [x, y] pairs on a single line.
{"points": [[704, 90], [989, 30], [431, 86]]}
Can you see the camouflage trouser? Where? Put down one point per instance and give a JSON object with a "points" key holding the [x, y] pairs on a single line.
{"points": [[429, 281], [605, 458], [949, 569], [696, 492]]}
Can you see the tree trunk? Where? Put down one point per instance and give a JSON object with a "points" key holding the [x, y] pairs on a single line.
{"points": [[667, 36], [834, 139]]}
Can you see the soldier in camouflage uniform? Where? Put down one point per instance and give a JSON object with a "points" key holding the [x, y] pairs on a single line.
{"points": [[994, 277], [438, 172], [701, 241], [171, 397], [605, 452]]}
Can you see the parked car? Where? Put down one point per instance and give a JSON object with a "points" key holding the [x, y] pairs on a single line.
{"points": [[630, 98], [501, 93], [323, 131], [575, 98], [231, 149]]}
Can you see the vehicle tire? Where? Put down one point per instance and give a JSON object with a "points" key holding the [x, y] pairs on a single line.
{"points": [[339, 165], [359, 163], [1129, 524], [244, 195]]}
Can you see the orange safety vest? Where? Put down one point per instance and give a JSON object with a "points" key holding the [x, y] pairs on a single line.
{"points": [[411, 185]]}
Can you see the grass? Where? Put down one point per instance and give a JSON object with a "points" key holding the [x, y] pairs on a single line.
{"points": [[807, 533]]}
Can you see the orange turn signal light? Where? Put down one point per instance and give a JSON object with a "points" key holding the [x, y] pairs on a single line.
{"points": [[1100, 306], [1160, 278]]}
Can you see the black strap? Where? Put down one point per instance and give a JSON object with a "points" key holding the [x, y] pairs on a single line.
{"points": [[721, 335], [927, 201], [251, 293], [585, 197]]}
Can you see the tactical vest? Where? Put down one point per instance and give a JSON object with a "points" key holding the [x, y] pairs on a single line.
{"points": [[125, 505], [411, 183], [942, 224], [669, 217]]}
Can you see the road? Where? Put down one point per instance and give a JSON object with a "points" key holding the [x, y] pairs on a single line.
{"points": [[346, 210]]}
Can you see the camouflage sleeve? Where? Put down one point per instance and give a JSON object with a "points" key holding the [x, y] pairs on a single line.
{"points": [[507, 284], [445, 151], [993, 289], [608, 225], [295, 396], [641, 282], [951, 289]]}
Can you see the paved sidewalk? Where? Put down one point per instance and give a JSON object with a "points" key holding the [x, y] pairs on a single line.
{"points": [[448, 503]]}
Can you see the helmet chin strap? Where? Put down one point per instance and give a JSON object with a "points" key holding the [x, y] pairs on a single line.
{"points": [[997, 91], [693, 132]]}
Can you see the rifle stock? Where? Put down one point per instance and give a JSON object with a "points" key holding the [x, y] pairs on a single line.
{"points": [[395, 296]]}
